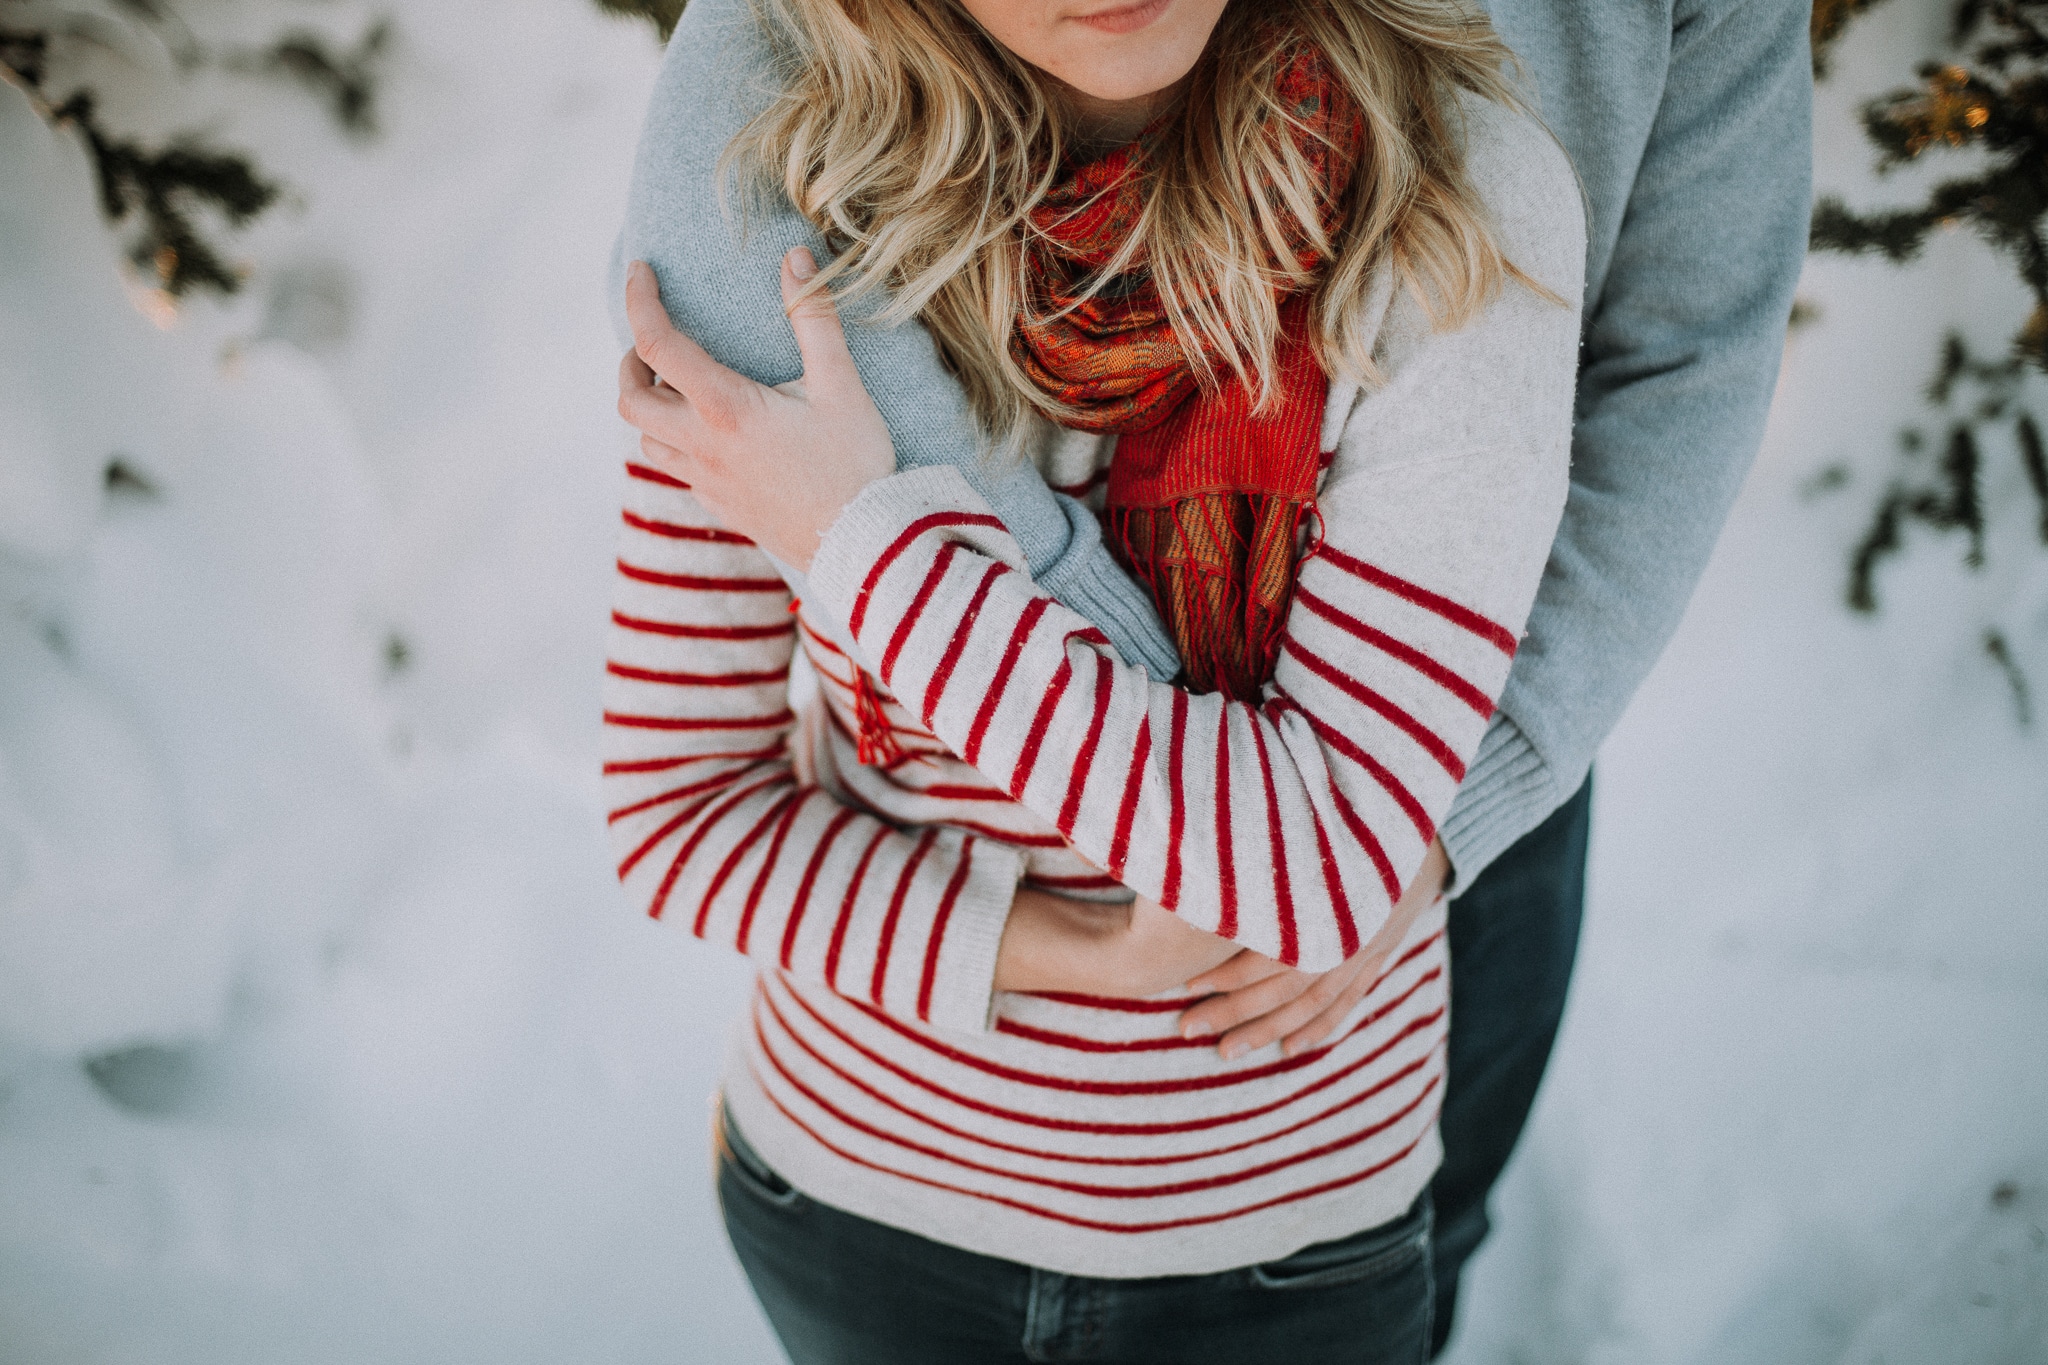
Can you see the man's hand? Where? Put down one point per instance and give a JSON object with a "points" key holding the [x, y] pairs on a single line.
{"points": [[1258, 1000], [776, 465], [1054, 943]]}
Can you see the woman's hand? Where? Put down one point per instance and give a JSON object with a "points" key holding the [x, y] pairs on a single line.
{"points": [[1259, 1000], [1055, 943], [776, 465]]}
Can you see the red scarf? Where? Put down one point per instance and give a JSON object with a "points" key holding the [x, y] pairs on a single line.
{"points": [[1205, 498]]}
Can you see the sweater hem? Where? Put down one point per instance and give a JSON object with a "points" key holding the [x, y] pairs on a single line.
{"points": [[992, 1229]]}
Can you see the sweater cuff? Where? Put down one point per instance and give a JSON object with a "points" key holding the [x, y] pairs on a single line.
{"points": [[963, 981], [1508, 791]]}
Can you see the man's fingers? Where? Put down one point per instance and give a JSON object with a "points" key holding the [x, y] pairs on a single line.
{"points": [[682, 364], [820, 339], [642, 405]]}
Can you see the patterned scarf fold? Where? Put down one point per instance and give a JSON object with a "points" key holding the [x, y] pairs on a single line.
{"points": [[1205, 497]]}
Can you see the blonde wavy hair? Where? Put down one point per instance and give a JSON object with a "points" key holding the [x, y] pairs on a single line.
{"points": [[919, 145]]}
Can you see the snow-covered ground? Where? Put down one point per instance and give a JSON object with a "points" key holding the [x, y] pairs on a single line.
{"points": [[324, 1037]]}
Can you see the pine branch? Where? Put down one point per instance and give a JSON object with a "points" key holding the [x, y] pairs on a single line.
{"points": [[347, 81]]}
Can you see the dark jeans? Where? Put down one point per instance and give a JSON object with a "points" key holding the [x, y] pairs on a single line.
{"points": [[842, 1290], [1513, 936]]}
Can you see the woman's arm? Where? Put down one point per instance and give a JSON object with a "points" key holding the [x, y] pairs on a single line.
{"points": [[718, 275], [1291, 826], [710, 826]]}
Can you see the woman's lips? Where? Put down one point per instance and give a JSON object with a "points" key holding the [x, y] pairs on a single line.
{"points": [[1124, 18]]}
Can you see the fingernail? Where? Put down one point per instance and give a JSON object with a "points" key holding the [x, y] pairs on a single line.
{"points": [[1195, 1028], [802, 264], [1232, 1051], [637, 268]]}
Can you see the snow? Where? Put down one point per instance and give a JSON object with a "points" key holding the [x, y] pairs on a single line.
{"points": [[324, 1036]]}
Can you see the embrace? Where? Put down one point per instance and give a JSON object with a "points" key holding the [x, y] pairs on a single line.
{"points": [[1143, 514]]}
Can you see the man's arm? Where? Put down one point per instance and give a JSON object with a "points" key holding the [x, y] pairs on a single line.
{"points": [[1682, 343], [721, 278]]}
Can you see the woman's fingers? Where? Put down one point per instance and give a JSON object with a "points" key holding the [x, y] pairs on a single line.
{"points": [[1324, 1023], [1241, 971], [682, 364], [1221, 1013], [820, 339], [1278, 1023]]}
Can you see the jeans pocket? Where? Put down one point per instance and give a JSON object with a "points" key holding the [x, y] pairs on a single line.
{"points": [[741, 1164], [1387, 1249]]}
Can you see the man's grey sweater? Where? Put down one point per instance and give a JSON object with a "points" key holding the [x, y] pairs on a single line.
{"points": [[1689, 122]]}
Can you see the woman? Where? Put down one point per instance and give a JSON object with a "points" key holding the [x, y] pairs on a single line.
{"points": [[1309, 265]]}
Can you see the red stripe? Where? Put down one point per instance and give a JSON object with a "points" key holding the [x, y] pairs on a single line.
{"points": [[1162, 1226], [1182, 1085], [1337, 740], [672, 531], [896, 898], [1120, 1006], [908, 621], [931, 521], [1032, 1119], [953, 791], [1407, 654], [651, 475], [1127, 809], [668, 628], [1085, 760], [672, 794], [1083, 488], [698, 582], [710, 821], [938, 934], [1378, 1087], [674, 823], [655, 675], [662, 765], [1162, 1191], [1283, 888], [1226, 867], [1076, 1043], [1177, 809], [1033, 609], [1007, 836], [631, 722], [731, 862], [860, 872], [845, 817], [935, 693], [1041, 721], [1333, 885], [1358, 691], [1499, 636], [768, 868]]}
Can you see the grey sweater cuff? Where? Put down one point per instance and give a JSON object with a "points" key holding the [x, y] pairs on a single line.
{"points": [[1089, 581], [1508, 791]]}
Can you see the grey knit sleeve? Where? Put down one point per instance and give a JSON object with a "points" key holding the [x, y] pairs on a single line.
{"points": [[719, 263]]}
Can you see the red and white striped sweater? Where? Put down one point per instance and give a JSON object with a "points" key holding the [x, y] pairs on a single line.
{"points": [[1005, 740]]}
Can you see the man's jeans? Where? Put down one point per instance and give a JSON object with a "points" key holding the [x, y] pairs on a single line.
{"points": [[1513, 937], [842, 1290]]}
